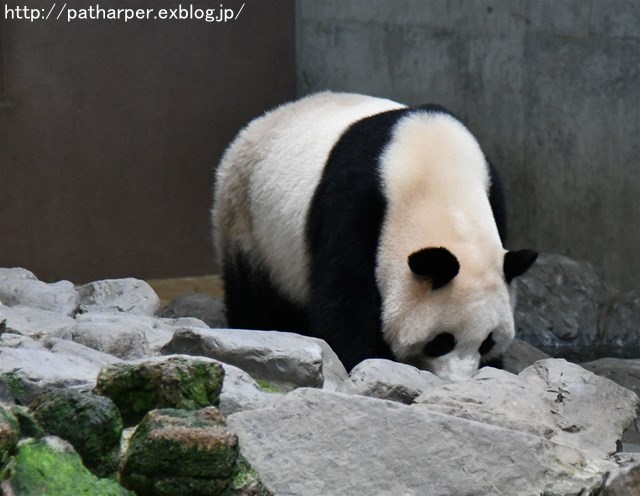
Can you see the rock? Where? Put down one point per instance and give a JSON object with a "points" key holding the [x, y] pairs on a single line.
{"points": [[624, 481], [33, 322], [9, 340], [241, 392], [25, 373], [553, 399], [520, 355], [176, 381], [621, 325], [627, 374], [559, 301], [176, 453], [280, 357], [315, 442], [121, 339], [16, 273], [50, 466], [96, 421], [77, 350], [389, 380], [9, 435], [206, 308], [129, 295], [60, 297]]}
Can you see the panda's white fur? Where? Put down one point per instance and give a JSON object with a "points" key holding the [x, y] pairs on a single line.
{"points": [[268, 175], [436, 184], [435, 180]]}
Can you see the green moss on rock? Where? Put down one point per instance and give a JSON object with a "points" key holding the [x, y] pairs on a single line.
{"points": [[177, 449], [91, 423], [45, 466], [9, 434], [175, 382]]}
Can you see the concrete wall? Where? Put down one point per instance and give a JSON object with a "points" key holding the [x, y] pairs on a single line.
{"points": [[110, 132], [551, 88]]}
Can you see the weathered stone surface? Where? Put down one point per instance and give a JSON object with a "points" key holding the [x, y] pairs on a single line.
{"points": [[91, 423], [621, 324], [50, 466], [129, 295], [60, 297], [206, 308], [627, 374], [176, 453], [520, 355], [120, 339], [16, 273], [389, 380], [316, 442], [274, 356], [559, 301], [177, 381], [625, 480], [241, 392], [25, 373], [77, 350], [9, 340], [33, 322], [553, 399]]}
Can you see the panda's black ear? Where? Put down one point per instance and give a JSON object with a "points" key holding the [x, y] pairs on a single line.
{"points": [[518, 262], [437, 264]]}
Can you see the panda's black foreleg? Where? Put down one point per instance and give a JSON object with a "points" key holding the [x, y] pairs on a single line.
{"points": [[253, 302]]}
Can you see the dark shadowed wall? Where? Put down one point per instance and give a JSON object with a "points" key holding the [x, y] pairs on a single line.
{"points": [[110, 131], [551, 88]]}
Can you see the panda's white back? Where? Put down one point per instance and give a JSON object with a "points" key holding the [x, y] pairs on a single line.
{"points": [[268, 176]]}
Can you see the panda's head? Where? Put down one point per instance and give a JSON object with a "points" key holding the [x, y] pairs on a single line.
{"points": [[460, 314]]}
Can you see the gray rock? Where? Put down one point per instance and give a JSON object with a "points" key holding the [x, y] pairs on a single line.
{"points": [[71, 348], [16, 273], [389, 380], [129, 295], [240, 392], [121, 338], [316, 442], [559, 301], [625, 480], [25, 373], [33, 322], [520, 355], [10, 340], [552, 398], [627, 374], [206, 308], [60, 297], [279, 357], [621, 325]]}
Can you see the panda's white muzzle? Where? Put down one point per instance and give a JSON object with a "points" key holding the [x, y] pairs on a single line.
{"points": [[453, 367]]}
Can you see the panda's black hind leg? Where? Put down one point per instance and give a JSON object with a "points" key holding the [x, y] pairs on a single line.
{"points": [[253, 302]]}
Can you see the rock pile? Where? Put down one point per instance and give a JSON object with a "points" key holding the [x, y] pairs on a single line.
{"points": [[96, 387]]}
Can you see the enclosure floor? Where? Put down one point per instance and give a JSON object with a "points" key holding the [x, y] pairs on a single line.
{"points": [[169, 289]]}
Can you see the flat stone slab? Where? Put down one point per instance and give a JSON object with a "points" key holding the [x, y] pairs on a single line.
{"points": [[315, 442]]}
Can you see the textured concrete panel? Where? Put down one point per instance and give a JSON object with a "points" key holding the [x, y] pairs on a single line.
{"points": [[551, 89]]}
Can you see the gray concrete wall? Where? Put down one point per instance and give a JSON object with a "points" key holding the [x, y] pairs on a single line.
{"points": [[551, 89]]}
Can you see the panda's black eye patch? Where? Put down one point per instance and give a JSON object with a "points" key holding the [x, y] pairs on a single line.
{"points": [[487, 345], [442, 344]]}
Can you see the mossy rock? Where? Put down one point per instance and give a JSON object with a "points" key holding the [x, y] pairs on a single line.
{"points": [[9, 434], [172, 382], [245, 481], [91, 423], [50, 466], [178, 452]]}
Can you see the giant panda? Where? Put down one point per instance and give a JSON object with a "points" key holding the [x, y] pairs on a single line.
{"points": [[375, 226]]}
